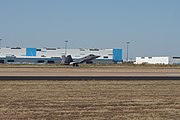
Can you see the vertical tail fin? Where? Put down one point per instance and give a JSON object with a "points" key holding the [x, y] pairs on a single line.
{"points": [[68, 59]]}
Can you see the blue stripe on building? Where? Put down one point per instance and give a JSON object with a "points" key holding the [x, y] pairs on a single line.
{"points": [[117, 55], [30, 51]]}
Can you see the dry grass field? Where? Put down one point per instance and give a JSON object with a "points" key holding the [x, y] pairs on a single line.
{"points": [[90, 100]]}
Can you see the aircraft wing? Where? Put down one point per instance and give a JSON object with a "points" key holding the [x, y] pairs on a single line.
{"points": [[87, 58], [70, 61]]}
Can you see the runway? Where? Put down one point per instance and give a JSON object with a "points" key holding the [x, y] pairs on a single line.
{"points": [[89, 74], [89, 78]]}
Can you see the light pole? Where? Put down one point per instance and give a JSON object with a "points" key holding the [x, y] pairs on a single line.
{"points": [[0, 42], [66, 41], [127, 59]]}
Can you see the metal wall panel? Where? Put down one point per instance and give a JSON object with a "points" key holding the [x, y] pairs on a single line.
{"points": [[117, 55], [152, 60], [30, 51]]}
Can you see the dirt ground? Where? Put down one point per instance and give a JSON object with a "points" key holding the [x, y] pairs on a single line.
{"points": [[90, 100]]}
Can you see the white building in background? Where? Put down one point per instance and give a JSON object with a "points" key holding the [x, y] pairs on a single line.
{"points": [[152, 60], [175, 60], [157, 60], [45, 55]]}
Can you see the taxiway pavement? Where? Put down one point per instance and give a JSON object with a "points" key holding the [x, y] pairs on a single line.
{"points": [[88, 74]]}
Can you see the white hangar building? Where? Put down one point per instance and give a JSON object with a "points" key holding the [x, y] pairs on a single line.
{"points": [[45, 55], [152, 60], [157, 60]]}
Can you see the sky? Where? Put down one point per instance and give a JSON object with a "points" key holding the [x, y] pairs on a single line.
{"points": [[151, 26]]}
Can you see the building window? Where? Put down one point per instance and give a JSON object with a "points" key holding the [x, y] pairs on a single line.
{"points": [[38, 49], [142, 57], [43, 56], [176, 57], [150, 57], [40, 61], [10, 60], [95, 49], [16, 48], [50, 48], [50, 62], [1, 61]]}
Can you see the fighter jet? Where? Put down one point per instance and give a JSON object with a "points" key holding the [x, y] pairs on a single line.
{"points": [[87, 59]]}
